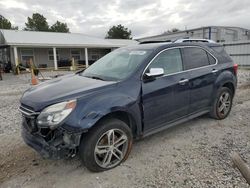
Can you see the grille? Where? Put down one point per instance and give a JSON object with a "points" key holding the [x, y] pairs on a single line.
{"points": [[29, 118], [27, 111]]}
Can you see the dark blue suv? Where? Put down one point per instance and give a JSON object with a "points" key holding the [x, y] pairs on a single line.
{"points": [[128, 94]]}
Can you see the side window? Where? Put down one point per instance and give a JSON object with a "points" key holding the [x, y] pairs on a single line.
{"points": [[169, 60], [194, 58], [211, 59]]}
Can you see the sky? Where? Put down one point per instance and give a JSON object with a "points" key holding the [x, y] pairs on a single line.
{"points": [[142, 17]]}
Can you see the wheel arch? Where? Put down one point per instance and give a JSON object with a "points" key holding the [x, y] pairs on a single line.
{"points": [[230, 86], [124, 116], [225, 79]]}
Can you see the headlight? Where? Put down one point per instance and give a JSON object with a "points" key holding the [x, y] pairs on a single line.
{"points": [[55, 114]]}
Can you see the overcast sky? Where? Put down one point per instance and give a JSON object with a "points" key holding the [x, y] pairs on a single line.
{"points": [[143, 17]]}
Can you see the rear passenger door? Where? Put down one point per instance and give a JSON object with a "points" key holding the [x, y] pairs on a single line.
{"points": [[202, 74]]}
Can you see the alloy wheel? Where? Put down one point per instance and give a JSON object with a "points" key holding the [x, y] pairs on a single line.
{"points": [[224, 104], [111, 148]]}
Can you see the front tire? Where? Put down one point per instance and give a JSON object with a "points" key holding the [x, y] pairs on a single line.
{"points": [[106, 145], [222, 104]]}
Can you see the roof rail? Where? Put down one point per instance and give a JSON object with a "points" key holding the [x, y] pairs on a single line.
{"points": [[179, 41], [154, 41], [194, 40]]}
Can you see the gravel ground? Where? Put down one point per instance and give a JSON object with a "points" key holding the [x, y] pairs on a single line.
{"points": [[193, 154]]}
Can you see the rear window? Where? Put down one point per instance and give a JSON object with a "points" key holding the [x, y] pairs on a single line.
{"points": [[194, 58]]}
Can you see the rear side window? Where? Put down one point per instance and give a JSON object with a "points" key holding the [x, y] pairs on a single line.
{"points": [[194, 58], [211, 59], [170, 61]]}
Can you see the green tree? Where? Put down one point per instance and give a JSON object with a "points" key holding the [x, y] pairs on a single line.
{"points": [[174, 30], [171, 31], [118, 32], [59, 27], [6, 24], [37, 23]]}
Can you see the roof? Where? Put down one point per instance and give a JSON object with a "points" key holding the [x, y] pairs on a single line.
{"points": [[182, 31], [54, 39]]}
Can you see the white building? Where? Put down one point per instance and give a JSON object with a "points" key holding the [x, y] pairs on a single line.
{"points": [[50, 49], [216, 33]]}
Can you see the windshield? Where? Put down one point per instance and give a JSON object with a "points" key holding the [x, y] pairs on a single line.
{"points": [[116, 65]]}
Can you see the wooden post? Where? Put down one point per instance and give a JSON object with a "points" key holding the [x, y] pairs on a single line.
{"points": [[16, 60], [34, 80], [73, 64], [31, 66], [242, 166]]}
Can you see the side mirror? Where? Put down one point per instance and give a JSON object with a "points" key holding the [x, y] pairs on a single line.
{"points": [[155, 72]]}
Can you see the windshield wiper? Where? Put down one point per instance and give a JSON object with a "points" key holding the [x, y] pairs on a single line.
{"points": [[95, 77]]}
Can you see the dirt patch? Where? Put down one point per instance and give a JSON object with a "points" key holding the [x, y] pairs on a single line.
{"points": [[245, 86], [15, 162]]}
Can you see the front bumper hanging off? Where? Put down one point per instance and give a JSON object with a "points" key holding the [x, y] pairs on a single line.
{"points": [[53, 144], [43, 148]]}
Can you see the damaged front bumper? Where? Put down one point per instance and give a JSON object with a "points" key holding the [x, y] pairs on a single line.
{"points": [[52, 144]]}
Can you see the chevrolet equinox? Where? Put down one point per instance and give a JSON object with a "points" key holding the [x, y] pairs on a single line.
{"points": [[128, 94]]}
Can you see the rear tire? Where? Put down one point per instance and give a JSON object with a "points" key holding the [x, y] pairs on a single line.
{"points": [[222, 104], [106, 145]]}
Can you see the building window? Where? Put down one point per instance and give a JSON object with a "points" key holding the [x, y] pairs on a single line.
{"points": [[94, 54], [95, 57], [26, 55], [51, 55], [76, 54]]}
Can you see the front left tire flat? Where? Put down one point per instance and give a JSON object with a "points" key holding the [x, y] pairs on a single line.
{"points": [[106, 146]]}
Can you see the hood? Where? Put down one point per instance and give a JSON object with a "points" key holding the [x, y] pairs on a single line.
{"points": [[60, 89]]}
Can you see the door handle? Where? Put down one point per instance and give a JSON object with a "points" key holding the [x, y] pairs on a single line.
{"points": [[183, 81], [214, 70]]}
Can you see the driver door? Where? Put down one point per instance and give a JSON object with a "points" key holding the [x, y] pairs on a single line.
{"points": [[165, 98]]}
